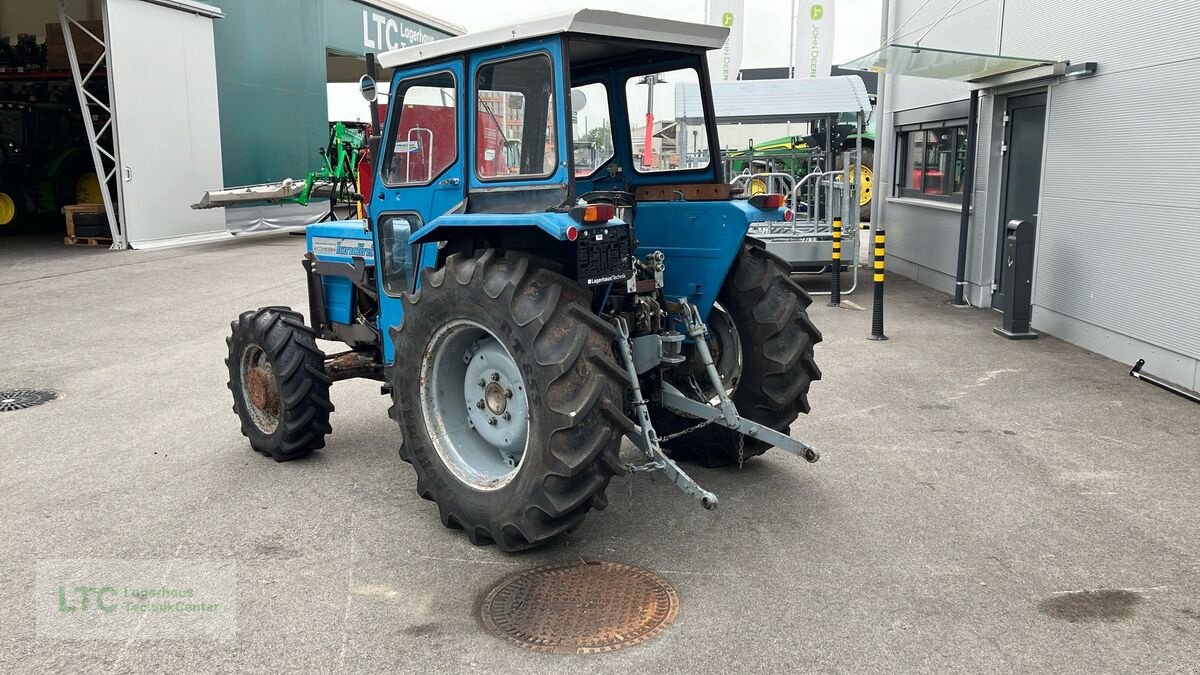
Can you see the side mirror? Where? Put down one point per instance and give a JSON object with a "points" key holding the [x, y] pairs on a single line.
{"points": [[368, 89]]}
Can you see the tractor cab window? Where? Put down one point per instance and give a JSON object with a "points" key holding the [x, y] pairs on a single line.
{"points": [[662, 139], [424, 136], [396, 256], [593, 128], [514, 121]]}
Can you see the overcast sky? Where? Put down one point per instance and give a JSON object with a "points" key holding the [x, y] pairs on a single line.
{"points": [[767, 25]]}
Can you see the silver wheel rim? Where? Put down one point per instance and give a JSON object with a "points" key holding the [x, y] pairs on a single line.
{"points": [[265, 417], [474, 404]]}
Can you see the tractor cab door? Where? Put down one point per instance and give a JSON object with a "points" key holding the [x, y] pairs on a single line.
{"points": [[418, 178]]}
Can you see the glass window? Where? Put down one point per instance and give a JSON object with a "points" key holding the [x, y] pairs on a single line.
{"points": [[593, 127], [933, 162], [659, 142], [515, 134], [424, 137], [397, 259]]}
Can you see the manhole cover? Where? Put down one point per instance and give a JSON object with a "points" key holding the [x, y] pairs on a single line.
{"points": [[19, 399], [580, 607]]}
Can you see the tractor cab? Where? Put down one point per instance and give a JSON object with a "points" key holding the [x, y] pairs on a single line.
{"points": [[551, 262], [497, 139]]}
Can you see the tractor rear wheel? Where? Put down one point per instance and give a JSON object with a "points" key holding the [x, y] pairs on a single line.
{"points": [[868, 182], [280, 389], [508, 398], [761, 318]]}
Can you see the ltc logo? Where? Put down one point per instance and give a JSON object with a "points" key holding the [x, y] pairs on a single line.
{"points": [[84, 593], [727, 19], [816, 12]]}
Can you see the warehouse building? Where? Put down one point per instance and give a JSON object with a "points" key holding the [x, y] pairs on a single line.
{"points": [[180, 97], [1085, 129]]}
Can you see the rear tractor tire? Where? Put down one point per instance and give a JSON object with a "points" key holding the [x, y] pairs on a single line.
{"points": [[508, 398], [762, 314], [280, 389]]}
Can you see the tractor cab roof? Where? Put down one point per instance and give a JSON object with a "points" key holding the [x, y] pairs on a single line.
{"points": [[585, 22]]}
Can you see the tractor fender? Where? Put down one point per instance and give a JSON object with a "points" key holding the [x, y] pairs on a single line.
{"points": [[452, 225]]}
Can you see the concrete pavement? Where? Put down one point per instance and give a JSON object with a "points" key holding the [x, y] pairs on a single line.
{"points": [[980, 504]]}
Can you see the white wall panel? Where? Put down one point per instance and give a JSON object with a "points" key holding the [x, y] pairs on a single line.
{"points": [[168, 130]]}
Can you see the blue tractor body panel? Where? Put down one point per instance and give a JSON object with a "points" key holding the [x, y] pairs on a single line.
{"points": [[340, 242], [700, 240]]}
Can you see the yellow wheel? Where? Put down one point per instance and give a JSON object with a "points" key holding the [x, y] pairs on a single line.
{"points": [[868, 183], [758, 186], [87, 190], [8, 209], [864, 197]]}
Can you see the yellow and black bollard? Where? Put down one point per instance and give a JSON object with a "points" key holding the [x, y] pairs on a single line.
{"points": [[835, 289], [877, 304]]}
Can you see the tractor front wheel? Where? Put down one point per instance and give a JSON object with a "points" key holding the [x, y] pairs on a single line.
{"points": [[762, 341], [280, 389], [507, 396]]}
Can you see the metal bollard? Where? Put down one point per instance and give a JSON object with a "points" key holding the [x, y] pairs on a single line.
{"points": [[877, 304], [835, 290]]}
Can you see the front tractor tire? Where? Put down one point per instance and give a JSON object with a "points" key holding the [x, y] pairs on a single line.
{"points": [[765, 312], [277, 377], [508, 398]]}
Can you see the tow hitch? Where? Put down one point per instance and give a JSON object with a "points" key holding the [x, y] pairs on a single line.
{"points": [[724, 412]]}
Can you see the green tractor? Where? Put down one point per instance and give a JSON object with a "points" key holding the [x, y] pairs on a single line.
{"points": [[44, 161], [793, 154]]}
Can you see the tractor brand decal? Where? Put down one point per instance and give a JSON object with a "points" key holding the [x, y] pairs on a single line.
{"points": [[355, 248]]}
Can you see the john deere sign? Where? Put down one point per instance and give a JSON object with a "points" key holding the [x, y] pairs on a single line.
{"points": [[357, 28], [814, 39]]}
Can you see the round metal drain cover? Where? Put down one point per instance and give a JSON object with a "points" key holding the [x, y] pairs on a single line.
{"points": [[580, 607], [19, 399]]}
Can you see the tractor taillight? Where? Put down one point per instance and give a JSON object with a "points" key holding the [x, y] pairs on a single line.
{"points": [[599, 213], [572, 233], [787, 216], [772, 201]]}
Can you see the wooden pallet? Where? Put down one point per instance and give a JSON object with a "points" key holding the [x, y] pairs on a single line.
{"points": [[87, 241]]}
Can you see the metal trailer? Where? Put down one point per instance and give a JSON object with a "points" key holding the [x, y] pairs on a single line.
{"points": [[819, 192]]}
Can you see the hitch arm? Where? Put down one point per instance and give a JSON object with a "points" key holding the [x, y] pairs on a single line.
{"points": [[672, 398], [727, 414], [647, 438]]}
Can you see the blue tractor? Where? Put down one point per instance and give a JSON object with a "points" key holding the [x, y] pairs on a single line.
{"points": [[525, 315]]}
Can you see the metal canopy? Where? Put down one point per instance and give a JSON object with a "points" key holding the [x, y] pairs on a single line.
{"points": [[767, 101], [584, 21], [980, 70]]}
